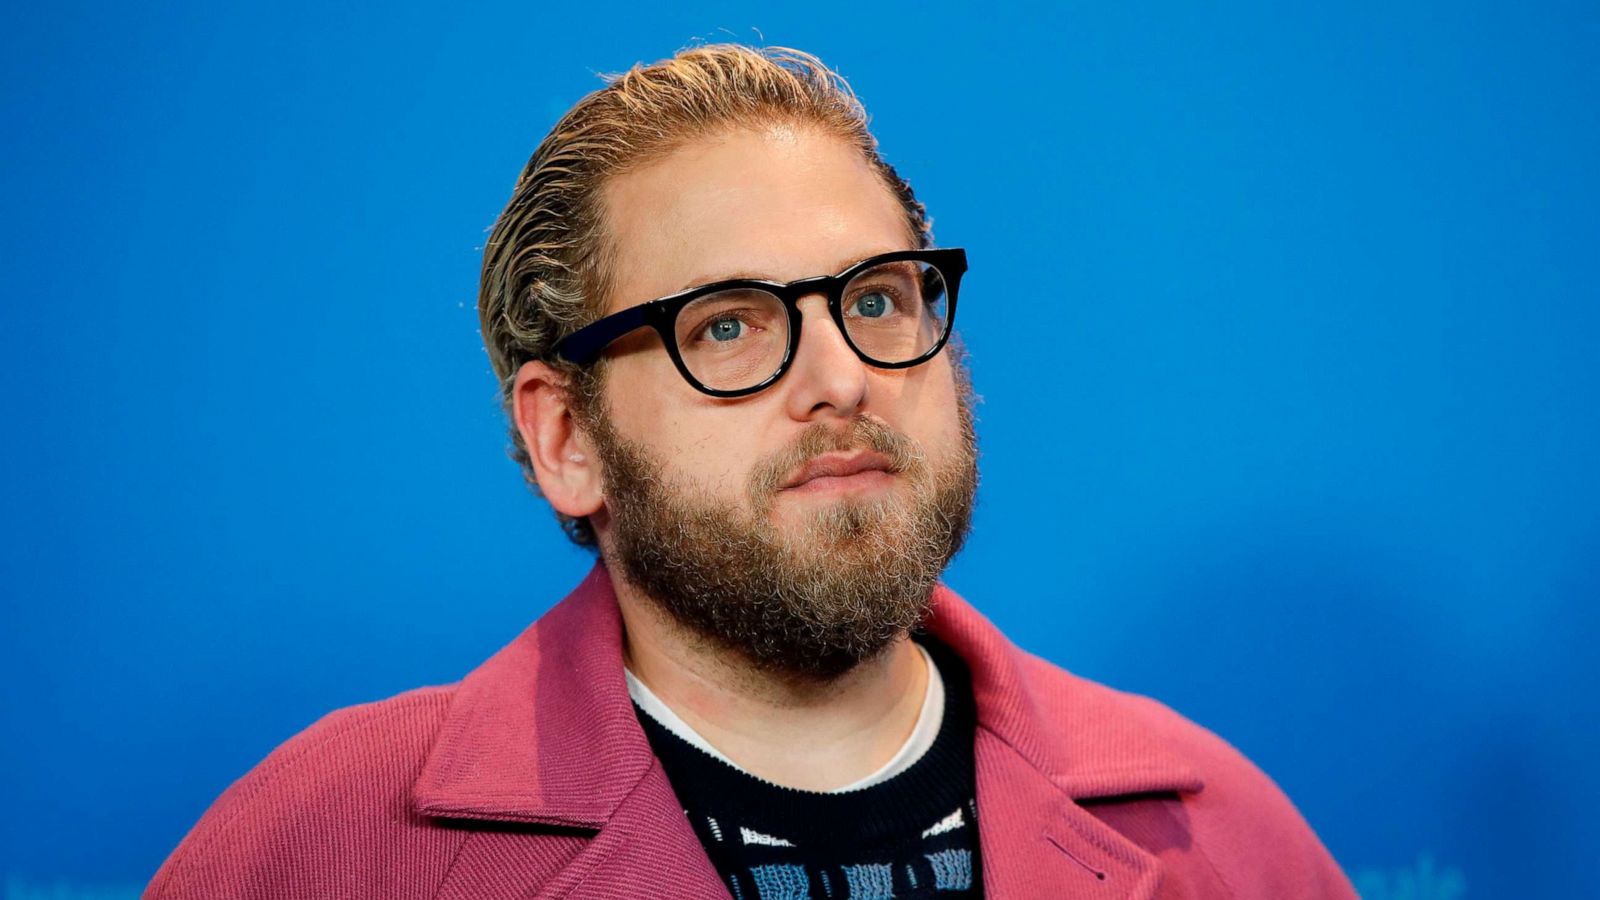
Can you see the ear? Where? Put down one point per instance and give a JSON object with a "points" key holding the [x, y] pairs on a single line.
{"points": [[563, 460]]}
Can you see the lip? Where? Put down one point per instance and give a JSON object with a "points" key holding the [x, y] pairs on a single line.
{"points": [[838, 465]]}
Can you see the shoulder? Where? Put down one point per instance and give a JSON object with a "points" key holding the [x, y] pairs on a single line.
{"points": [[328, 809], [1240, 820], [1110, 711], [384, 738]]}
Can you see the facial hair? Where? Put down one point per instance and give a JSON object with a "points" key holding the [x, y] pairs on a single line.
{"points": [[811, 602]]}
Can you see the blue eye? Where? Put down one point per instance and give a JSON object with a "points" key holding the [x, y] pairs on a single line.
{"points": [[873, 305], [723, 330]]}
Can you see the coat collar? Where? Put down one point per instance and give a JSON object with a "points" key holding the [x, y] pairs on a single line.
{"points": [[544, 730], [1087, 739]]}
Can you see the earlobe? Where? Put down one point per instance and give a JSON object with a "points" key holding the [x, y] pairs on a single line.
{"points": [[557, 449]]}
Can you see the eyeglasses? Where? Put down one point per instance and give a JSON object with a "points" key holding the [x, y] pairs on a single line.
{"points": [[733, 338]]}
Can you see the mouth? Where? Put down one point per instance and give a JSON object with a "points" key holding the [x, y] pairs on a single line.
{"points": [[858, 470]]}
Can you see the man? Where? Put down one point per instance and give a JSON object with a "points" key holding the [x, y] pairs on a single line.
{"points": [[724, 340]]}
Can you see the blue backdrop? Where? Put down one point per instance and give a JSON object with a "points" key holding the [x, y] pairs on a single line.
{"points": [[1306, 450]]}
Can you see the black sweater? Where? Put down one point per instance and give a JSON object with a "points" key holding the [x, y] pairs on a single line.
{"points": [[914, 835]]}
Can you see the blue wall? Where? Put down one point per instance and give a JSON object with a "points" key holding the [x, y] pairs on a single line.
{"points": [[1307, 451]]}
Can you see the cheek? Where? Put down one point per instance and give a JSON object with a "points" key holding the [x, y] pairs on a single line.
{"points": [[643, 391], [922, 402], [696, 437]]}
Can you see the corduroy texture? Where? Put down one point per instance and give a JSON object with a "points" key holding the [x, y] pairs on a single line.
{"points": [[532, 778]]}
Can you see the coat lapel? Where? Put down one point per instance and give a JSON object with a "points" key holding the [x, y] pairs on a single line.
{"points": [[1036, 842], [647, 850]]}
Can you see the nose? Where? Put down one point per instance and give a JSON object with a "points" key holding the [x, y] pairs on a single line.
{"points": [[826, 377]]}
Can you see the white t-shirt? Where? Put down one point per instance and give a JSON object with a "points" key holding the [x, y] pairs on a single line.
{"points": [[912, 750]]}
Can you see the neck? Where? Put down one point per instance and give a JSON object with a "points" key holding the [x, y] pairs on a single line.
{"points": [[794, 732]]}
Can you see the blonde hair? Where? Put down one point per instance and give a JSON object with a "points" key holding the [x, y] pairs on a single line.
{"points": [[546, 269]]}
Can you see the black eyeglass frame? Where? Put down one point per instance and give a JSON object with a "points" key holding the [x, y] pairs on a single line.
{"points": [[583, 347]]}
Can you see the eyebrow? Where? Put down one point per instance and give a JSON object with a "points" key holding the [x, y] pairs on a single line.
{"points": [[743, 274]]}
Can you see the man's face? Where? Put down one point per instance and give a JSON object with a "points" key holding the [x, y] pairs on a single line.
{"points": [[708, 505]]}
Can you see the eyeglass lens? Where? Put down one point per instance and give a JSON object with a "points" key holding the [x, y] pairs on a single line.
{"points": [[894, 312]]}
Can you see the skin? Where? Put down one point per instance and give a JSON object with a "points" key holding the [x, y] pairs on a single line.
{"points": [[780, 203]]}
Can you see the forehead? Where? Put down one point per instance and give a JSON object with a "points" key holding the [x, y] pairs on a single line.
{"points": [[779, 203]]}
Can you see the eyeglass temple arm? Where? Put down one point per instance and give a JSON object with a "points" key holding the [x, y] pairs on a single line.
{"points": [[584, 345]]}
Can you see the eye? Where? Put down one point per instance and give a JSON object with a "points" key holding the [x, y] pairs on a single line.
{"points": [[873, 305], [726, 328]]}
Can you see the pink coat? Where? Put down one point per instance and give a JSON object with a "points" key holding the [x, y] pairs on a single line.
{"points": [[532, 778]]}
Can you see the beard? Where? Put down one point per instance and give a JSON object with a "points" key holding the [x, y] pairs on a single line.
{"points": [[811, 602]]}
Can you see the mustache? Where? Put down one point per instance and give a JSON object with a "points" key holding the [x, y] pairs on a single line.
{"points": [[862, 433]]}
